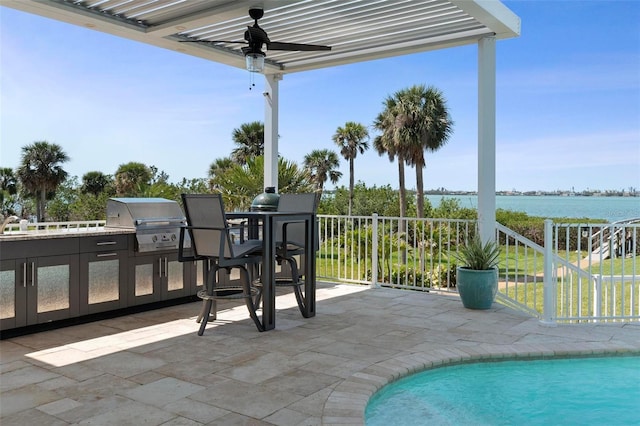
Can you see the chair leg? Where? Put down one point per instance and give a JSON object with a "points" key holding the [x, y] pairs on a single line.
{"points": [[257, 300], [295, 279], [206, 309], [248, 298], [208, 303]]}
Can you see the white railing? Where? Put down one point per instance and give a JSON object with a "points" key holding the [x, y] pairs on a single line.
{"points": [[598, 271], [398, 252], [53, 227], [573, 276]]}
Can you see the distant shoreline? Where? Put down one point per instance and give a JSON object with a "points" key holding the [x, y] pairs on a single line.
{"points": [[608, 207], [541, 193]]}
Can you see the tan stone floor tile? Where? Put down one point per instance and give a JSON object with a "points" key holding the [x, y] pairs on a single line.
{"points": [[162, 392], [301, 382], [261, 368], [25, 376], [312, 405], [130, 414], [57, 383], [64, 355], [31, 417], [11, 351], [92, 405], [24, 398], [59, 406], [308, 371], [250, 400], [13, 365], [97, 387], [287, 417], [147, 377], [125, 364], [235, 419], [181, 421], [78, 372], [195, 410]]}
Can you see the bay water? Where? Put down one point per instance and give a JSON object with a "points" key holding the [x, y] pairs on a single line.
{"points": [[609, 209]]}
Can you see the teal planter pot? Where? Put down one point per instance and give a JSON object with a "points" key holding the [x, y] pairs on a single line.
{"points": [[477, 288]]}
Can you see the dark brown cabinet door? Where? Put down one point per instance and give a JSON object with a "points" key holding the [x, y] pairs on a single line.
{"points": [[103, 281]]}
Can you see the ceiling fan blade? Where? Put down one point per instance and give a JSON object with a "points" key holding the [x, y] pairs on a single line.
{"points": [[213, 41], [274, 45]]}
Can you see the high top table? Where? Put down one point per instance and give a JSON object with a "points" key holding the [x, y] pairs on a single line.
{"points": [[269, 222]]}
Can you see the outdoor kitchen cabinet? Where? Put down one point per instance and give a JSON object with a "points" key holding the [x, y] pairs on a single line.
{"points": [[158, 276], [103, 273], [39, 281]]}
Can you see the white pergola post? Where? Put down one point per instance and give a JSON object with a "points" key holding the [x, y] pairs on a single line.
{"points": [[487, 137], [271, 130]]}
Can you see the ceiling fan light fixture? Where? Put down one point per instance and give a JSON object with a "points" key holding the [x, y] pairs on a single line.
{"points": [[255, 61]]}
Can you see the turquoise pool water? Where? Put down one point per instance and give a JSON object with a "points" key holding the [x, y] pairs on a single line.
{"points": [[582, 391]]}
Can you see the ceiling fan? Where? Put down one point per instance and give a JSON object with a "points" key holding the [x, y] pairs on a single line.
{"points": [[256, 39]]}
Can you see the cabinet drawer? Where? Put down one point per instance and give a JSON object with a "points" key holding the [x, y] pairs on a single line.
{"points": [[38, 247], [104, 243]]}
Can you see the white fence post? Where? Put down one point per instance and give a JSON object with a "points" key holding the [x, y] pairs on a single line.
{"points": [[597, 296], [374, 251], [550, 284]]}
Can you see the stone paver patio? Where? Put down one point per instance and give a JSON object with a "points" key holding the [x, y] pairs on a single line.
{"points": [[151, 368]]}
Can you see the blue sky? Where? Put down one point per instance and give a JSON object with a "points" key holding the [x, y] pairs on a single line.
{"points": [[568, 101]]}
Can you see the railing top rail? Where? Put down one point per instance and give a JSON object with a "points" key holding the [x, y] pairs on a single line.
{"points": [[33, 227], [396, 218], [633, 222], [519, 238]]}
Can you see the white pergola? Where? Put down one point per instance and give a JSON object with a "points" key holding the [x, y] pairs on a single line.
{"points": [[356, 30]]}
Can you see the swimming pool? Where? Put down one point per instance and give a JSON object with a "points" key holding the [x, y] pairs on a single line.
{"points": [[577, 391]]}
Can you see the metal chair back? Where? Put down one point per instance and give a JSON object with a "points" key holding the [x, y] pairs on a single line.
{"points": [[305, 203], [207, 225]]}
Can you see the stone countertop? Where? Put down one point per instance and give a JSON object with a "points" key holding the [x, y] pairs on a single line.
{"points": [[63, 233]]}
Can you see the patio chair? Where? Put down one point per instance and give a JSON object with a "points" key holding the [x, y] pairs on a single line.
{"points": [[290, 241], [211, 241]]}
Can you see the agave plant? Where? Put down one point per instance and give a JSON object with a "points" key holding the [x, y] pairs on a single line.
{"points": [[475, 254]]}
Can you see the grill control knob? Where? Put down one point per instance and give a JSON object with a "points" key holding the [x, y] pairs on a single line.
{"points": [[154, 238], [173, 237]]}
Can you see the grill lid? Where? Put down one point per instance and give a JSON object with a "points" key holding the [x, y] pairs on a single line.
{"points": [[143, 212]]}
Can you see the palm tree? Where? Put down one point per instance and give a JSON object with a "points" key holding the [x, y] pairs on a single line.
{"points": [[239, 184], [352, 138], [95, 183], [422, 123], [8, 188], [389, 143], [250, 141], [218, 167], [41, 172], [321, 165], [132, 179]]}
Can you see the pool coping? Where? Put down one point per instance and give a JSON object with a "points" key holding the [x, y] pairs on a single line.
{"points": [[347, 402]]}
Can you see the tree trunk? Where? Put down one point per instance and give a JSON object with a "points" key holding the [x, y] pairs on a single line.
{"points": [[403, 201], [42, 200], [401, 187], [319, 190], [350, 185], [419, 188]]}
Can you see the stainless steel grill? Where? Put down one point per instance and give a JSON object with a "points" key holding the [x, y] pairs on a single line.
{"points": [[157, 221]]}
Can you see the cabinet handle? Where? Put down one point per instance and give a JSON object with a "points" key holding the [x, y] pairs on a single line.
{"points": [[24, 274], [106, 243], [166, 266], [107, 254], [160, 267], [33, 274]]}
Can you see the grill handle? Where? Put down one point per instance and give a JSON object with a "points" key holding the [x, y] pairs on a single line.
{"points": [[161, 221]]}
